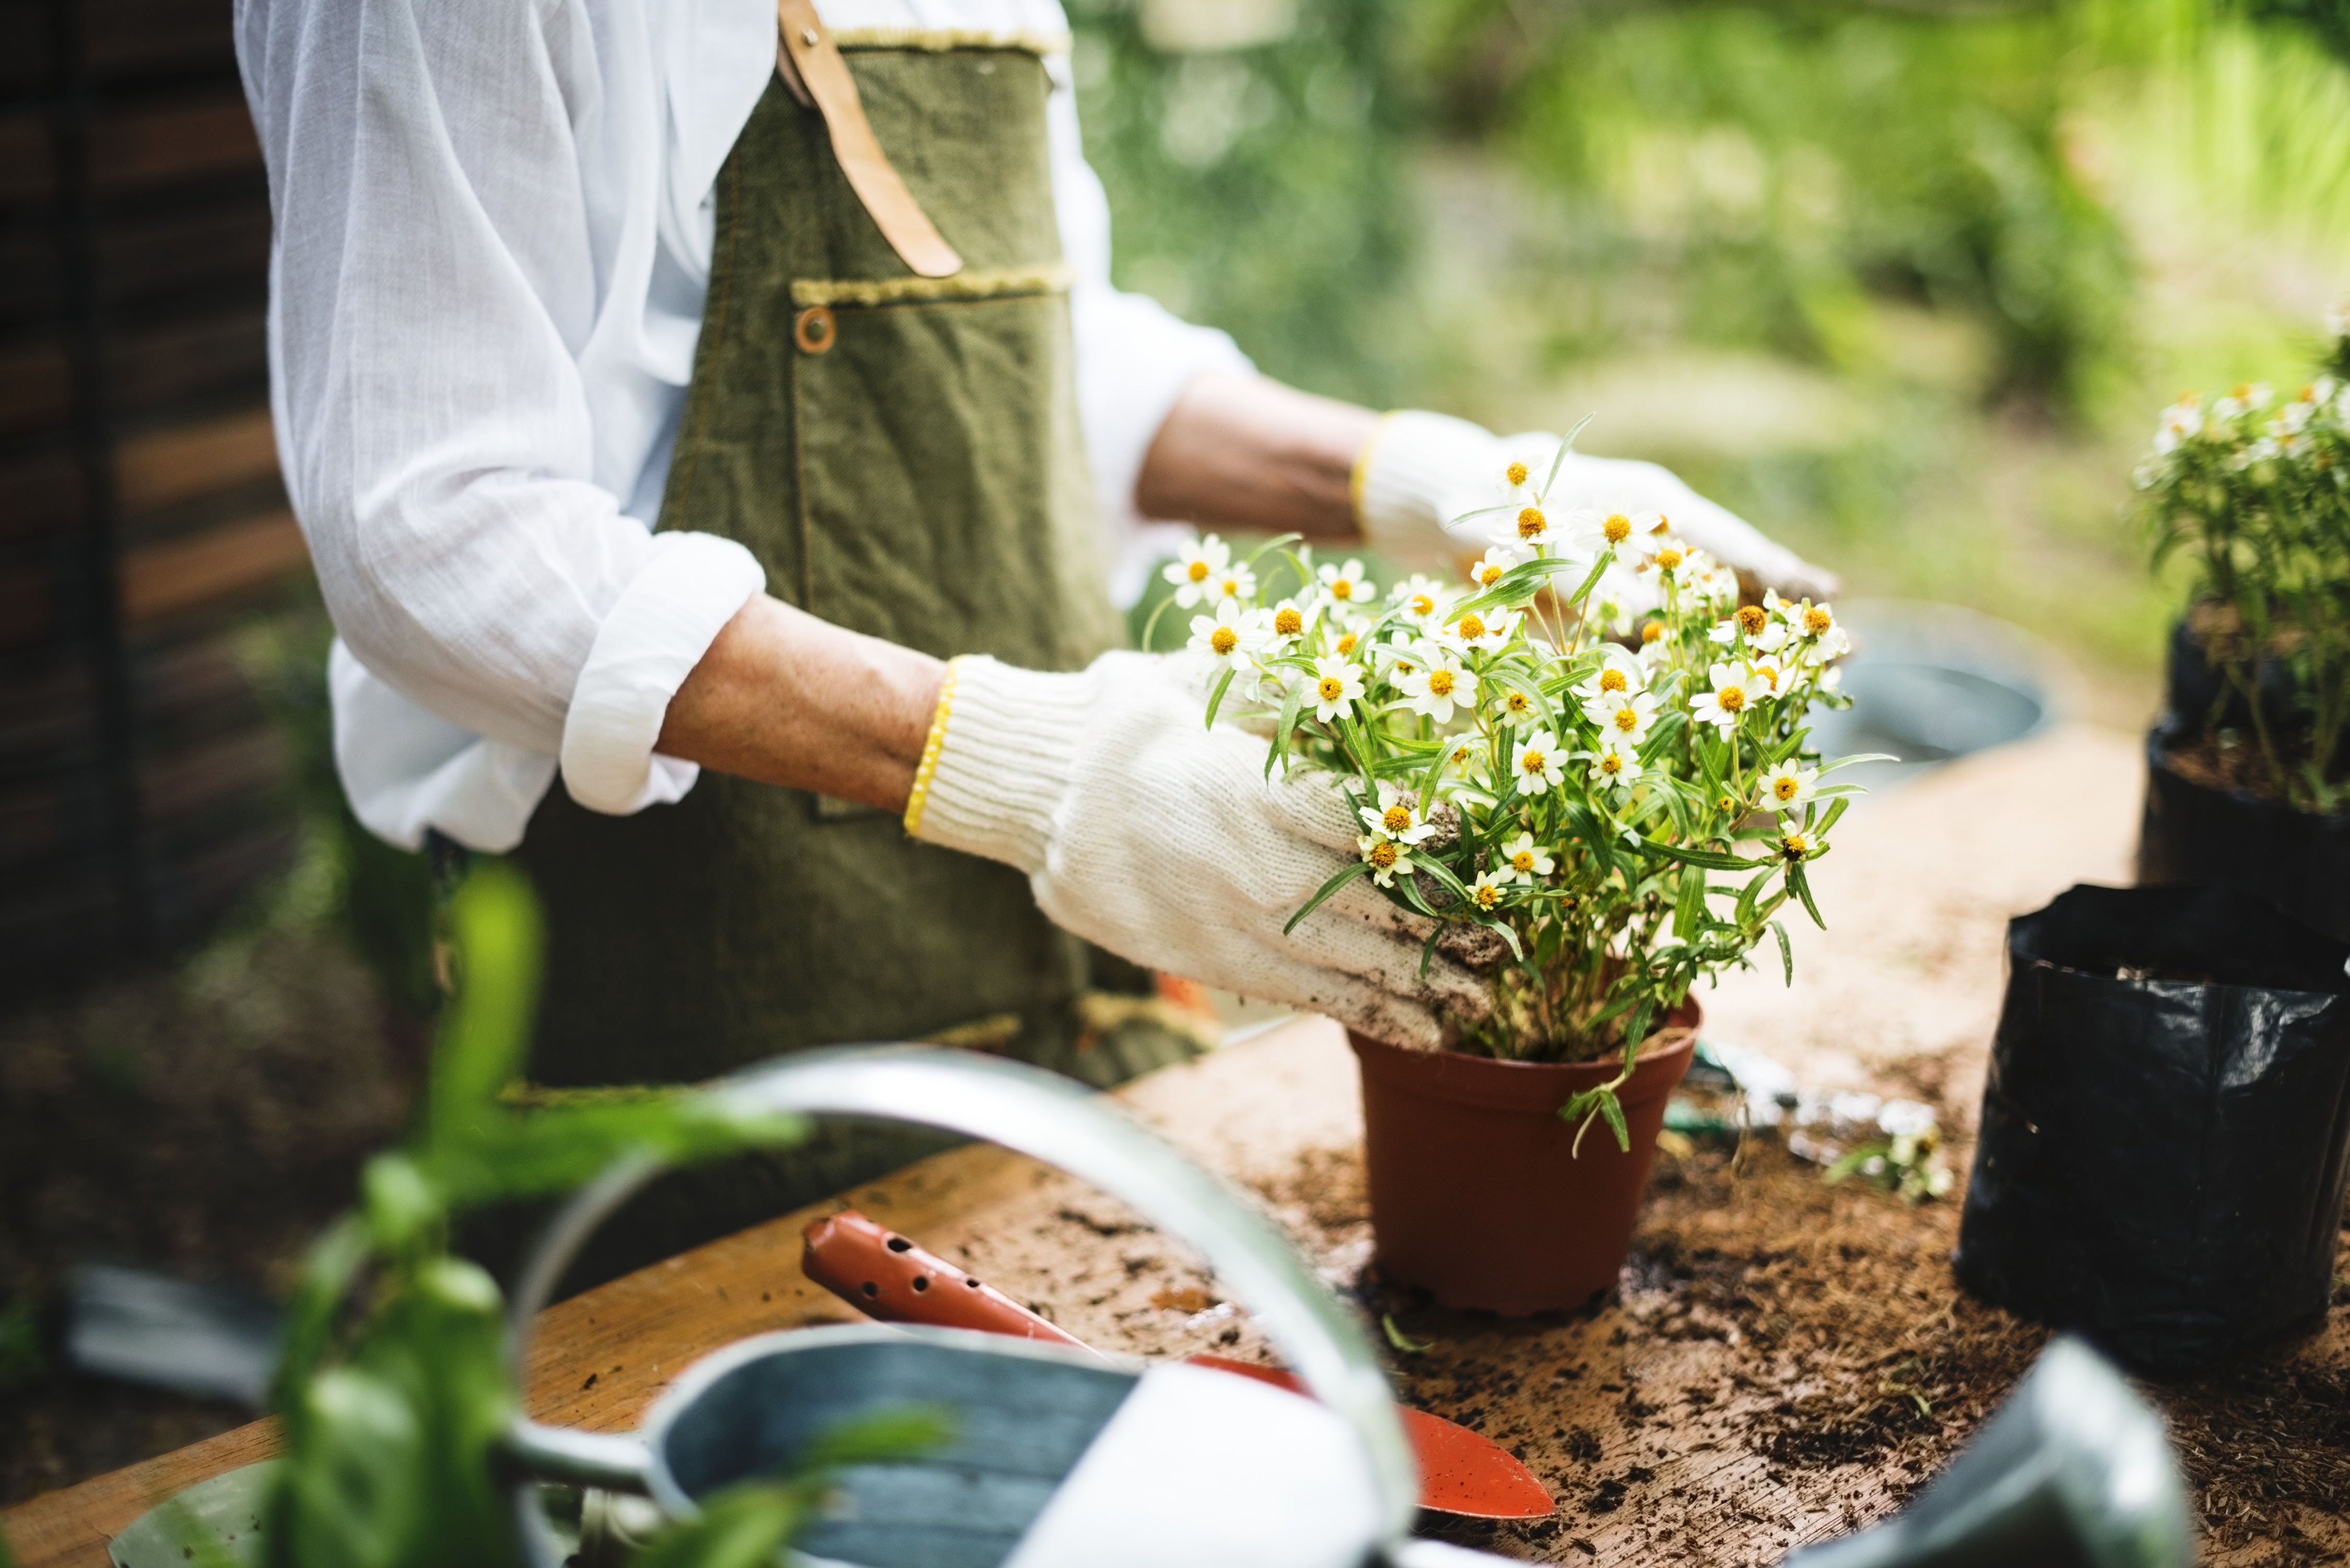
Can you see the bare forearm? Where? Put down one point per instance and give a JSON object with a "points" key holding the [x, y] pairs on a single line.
{"points": [[786, 699], [1246, 453]]}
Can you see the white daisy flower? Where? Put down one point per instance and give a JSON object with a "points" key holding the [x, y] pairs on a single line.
{"points": [[1623, 717], [1524, 859], [1617, 528], [1621, 673], [1337, 682], [1345, 586], [1789, 786], [1397, 815], [1286, 622], [2337, 320], [1539, 762], [1476, 630], [1195, 568], [1438, 684], [1419, 597], [1493, 565], [1515, 707], [1769, 676], [1487, 893], [1233, 631], [1708, 579], [1728, 701], [1234, 582], [2182, 422], [1385, 856], [1616, 765]]}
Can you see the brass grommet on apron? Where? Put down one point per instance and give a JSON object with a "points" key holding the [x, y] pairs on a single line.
{"points": [[813, 330]]}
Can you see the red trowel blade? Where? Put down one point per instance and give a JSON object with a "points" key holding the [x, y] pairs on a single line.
{"points": [[886, 1276]]}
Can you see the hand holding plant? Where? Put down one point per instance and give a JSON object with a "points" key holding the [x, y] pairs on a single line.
{"points": [[1590, 765]]}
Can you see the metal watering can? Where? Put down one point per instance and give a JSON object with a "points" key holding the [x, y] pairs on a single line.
{"points": [[1063, 1460]]}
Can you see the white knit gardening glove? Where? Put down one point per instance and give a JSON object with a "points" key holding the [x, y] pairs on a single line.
{"points": [[1146, 832], [1423, 471]]}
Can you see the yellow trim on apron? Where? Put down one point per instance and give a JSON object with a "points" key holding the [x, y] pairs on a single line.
{"points": [[1008, 283]]}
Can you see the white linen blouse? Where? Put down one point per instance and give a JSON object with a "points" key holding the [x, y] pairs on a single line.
{"points": [[494, 225]]}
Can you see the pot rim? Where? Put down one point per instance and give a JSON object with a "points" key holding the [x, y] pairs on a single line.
{"points": [[1530, 1087]]}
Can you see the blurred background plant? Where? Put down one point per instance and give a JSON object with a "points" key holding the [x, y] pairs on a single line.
{"points": [[1902, 280]]}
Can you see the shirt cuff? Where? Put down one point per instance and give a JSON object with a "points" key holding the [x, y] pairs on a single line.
{"points": [[658, 631]]}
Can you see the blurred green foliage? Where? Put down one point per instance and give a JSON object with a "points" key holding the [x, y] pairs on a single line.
{"points": [[1261, 188], [394, 1387], [1783, 167]]}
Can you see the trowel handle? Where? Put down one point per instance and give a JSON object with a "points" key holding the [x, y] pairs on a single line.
{"points": [[886, 1277]]}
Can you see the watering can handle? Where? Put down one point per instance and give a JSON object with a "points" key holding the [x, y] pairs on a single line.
{"points": [[1062, 1123]]}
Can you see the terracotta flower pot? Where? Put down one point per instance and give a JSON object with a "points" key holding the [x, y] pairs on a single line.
{"points": [[1475, 1193]]}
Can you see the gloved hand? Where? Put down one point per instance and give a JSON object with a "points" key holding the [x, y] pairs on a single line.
{"points": [[1147, 833], [1423, 471]]}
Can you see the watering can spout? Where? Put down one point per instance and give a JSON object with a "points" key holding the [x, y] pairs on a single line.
{"points": [[601, 1459], [2075, 1471]]}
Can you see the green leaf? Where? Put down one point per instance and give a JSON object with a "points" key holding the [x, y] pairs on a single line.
{"points": [[747, 1526], [1566, 443], [1278, 542], [1359, 868], [1748, 895], [486, 1030], [1613, 1109], [1802, 886], [1401, 1341], [1857, 757], [1691, 855], [1285, 728], [1835, 810], [1216, 697], [1786, 951], [1689, 902], [1150, 627], [896, 1432]]}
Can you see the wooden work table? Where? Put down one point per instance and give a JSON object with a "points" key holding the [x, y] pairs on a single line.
{"points": [[1786, 1362]]}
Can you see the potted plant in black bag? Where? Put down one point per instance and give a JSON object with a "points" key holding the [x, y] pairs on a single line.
{"points": [[2248, 771]]}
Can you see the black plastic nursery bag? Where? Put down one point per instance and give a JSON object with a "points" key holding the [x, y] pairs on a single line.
{"points": [[2164, 1134]]}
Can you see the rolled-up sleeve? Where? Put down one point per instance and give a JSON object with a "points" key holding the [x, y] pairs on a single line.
{"points": [[436, 284]]}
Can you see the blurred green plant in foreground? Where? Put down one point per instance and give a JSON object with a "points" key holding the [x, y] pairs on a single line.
{"points": [[394, 1387]]}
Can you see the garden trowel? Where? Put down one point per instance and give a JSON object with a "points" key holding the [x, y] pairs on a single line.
{"points": [[888, 1277]]}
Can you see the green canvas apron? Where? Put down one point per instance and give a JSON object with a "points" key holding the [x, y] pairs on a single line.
{"points": [[903, 455]]}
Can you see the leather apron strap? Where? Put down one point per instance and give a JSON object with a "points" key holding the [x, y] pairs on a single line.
{"points": [[810, 61]]}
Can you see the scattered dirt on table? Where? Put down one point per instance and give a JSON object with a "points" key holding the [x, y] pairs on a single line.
{"points": [[1787, 1361]]}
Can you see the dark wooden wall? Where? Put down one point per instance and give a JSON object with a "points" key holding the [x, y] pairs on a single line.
{"points": [[143, 789]]}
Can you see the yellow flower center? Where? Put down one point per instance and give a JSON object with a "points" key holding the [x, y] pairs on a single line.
{"points": [[1753, 618], [1611, 679], [1731, 698], [1287, 621], [1224, 639], [1398, 818], [1422, 604], [1669, 557], [1533, 761], [1343, 588], [1531, 524], [1794, 846], [1461, 755], [2243, 390], [1817, 620], [1617, 528], [1230, 586], [1523, 860], [1610, 763], [1768, 674], [1384, 855], [1346, 643], [1199, 570], [1403, 666], [1440, 683], [1517, 471], [1332, 689], [1784, 786], [1515, 701], [1486, 895], [1471, 628], [1488, 575], [1627, 719], [1653, 631]]}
